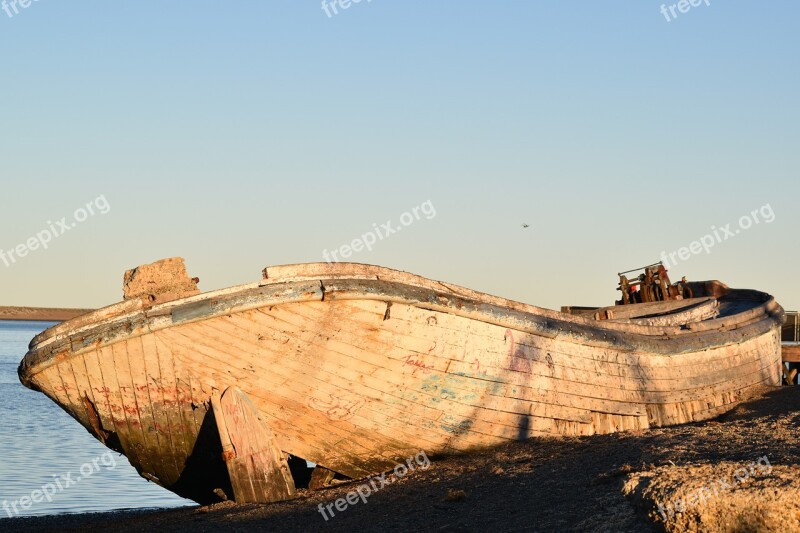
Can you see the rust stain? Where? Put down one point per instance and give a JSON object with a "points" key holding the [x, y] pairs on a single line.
{"points": [[94, 419]]}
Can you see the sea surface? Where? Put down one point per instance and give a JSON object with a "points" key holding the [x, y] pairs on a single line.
{"points": [[44, 450]]}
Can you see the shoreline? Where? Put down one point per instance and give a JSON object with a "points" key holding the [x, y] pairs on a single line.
{"points": [[40, 314]]}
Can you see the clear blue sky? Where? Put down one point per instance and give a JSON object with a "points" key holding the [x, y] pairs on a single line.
{"points": [[243, 134]]}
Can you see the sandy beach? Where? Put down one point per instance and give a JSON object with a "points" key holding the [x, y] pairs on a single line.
{"points": [[43, 314], [568, 484]]}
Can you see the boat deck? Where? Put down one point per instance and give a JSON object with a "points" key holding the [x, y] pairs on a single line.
{"points": [[734, 307]]}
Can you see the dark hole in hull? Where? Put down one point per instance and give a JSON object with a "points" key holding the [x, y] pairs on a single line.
{"points": [[205, 476]]}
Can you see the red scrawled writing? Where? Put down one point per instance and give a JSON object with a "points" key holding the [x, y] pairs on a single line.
{"points": [[419, 364]]}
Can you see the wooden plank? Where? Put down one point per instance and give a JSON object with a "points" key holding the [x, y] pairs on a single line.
{"points": [[790, 353], [618, 312], [704, 311], [321, 478], [155, 444], [85, 391], [163, 377], [100, 391], [134, 438], [790, 332], [177, 399], [579, 310], [173, 458], [258, 469], [87, 320]]}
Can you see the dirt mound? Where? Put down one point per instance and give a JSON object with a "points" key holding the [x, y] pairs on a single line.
{"points": [[721, 497]]}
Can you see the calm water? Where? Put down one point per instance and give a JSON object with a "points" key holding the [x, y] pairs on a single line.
{"points": [[40, 444]]}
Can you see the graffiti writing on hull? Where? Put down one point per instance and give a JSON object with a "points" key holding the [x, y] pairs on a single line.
{"points": [[337, 408], [418, 364], [520, 355]]}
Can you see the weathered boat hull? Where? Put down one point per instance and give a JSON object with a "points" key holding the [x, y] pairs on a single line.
{"points": [[355, 368]]}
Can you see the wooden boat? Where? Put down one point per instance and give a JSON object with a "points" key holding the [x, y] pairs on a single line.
{"points": [[356, 367]]}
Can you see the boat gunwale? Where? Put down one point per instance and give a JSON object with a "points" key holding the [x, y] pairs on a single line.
{"points": [[306, 272], [572, 328]]}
